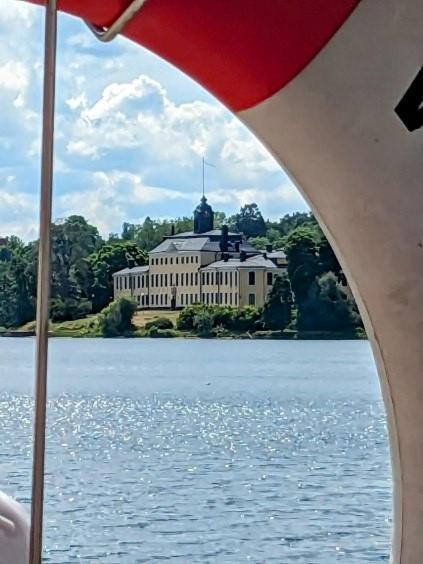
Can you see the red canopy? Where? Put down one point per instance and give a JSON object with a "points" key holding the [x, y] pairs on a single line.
{"points": [[242, 51]]}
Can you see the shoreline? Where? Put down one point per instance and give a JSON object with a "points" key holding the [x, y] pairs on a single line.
{"points": [[257, 336]]}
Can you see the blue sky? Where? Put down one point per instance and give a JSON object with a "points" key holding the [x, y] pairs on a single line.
{"points": [[131, 131]]}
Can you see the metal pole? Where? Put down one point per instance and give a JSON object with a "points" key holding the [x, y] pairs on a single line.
{"points": [[43, 288]]}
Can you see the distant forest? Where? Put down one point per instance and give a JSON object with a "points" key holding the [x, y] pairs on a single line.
{"points": [[83, 264]]}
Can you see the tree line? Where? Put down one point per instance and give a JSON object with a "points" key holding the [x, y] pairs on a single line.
{"points": [[83, 264]]}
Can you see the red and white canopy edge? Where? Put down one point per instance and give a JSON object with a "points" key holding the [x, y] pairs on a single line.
{"points": [[334, 89]]}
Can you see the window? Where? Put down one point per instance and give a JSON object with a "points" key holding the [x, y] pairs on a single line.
{"points": [[191, 298], [196, 259], [161, 261], [126, 283], [171, 260], [165, 260], [192, 260], [196, 298], [165, 298], [251, 279], [269, 278], [177, 260], [226, 298], [196, 278], [142, 281], [120, 282], [230, 279], [203, 297], [165, 280], [230, 298], [217, 297], [177, 279], [192, 279], [143, 300], [221, 278], [226, 278], [147, 299], [161, 299], [203, 277], [182, 260], [157, 280], [157, 299], [236, 277], [171, 278], [161, 280], [251, 299]]}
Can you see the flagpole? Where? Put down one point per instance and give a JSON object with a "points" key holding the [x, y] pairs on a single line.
{"points": [[43, 287]]}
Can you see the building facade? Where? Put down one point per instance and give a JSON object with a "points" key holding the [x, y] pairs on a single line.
{"points": [[206, 265]]}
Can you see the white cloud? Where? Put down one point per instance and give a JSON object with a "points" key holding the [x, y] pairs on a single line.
{"points": [[14, 75], [114, 198], [146, 133], [141, 114], [18, 211]]}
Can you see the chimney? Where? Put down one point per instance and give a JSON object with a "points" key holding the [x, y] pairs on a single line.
{"points": [[172, 230], [237, 247], [242, 256], [224, 239], [225, 257], [269, 248], [265, 256]]}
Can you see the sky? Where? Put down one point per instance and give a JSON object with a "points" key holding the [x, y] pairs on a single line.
{"points": [[131, 132]]}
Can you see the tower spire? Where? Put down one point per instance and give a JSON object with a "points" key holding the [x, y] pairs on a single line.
{"points": [[203, 175]]}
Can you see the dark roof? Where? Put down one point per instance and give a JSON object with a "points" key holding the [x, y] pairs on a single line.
{"points": [[134, 270], [171, 245], [192, 234], [276, 255], [257, 261]]}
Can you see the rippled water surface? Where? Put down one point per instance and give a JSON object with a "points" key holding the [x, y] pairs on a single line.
{"points": [[203, 451]]}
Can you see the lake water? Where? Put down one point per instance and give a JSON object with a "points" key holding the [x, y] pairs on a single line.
{"points": [[203, 451]]}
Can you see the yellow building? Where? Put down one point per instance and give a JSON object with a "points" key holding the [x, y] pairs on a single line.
{"points": [[205, 265]]}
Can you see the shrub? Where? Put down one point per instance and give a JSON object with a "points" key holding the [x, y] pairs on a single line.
{"points": [[203, 323], [68, 309], [186, 318], [226, 317], [245, 319], [154, 332], [159, 323], [116, 318]]}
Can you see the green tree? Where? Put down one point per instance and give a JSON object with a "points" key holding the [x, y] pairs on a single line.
{"points": [[260, 243], [73, 239], [277, 310], [291, 221], [328, 307], [303, 261], [116, 318], [95, 273], [249, 221], [17, 282]]}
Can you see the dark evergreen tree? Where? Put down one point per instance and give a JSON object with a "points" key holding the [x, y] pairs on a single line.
{"points": [[277, 310]]}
